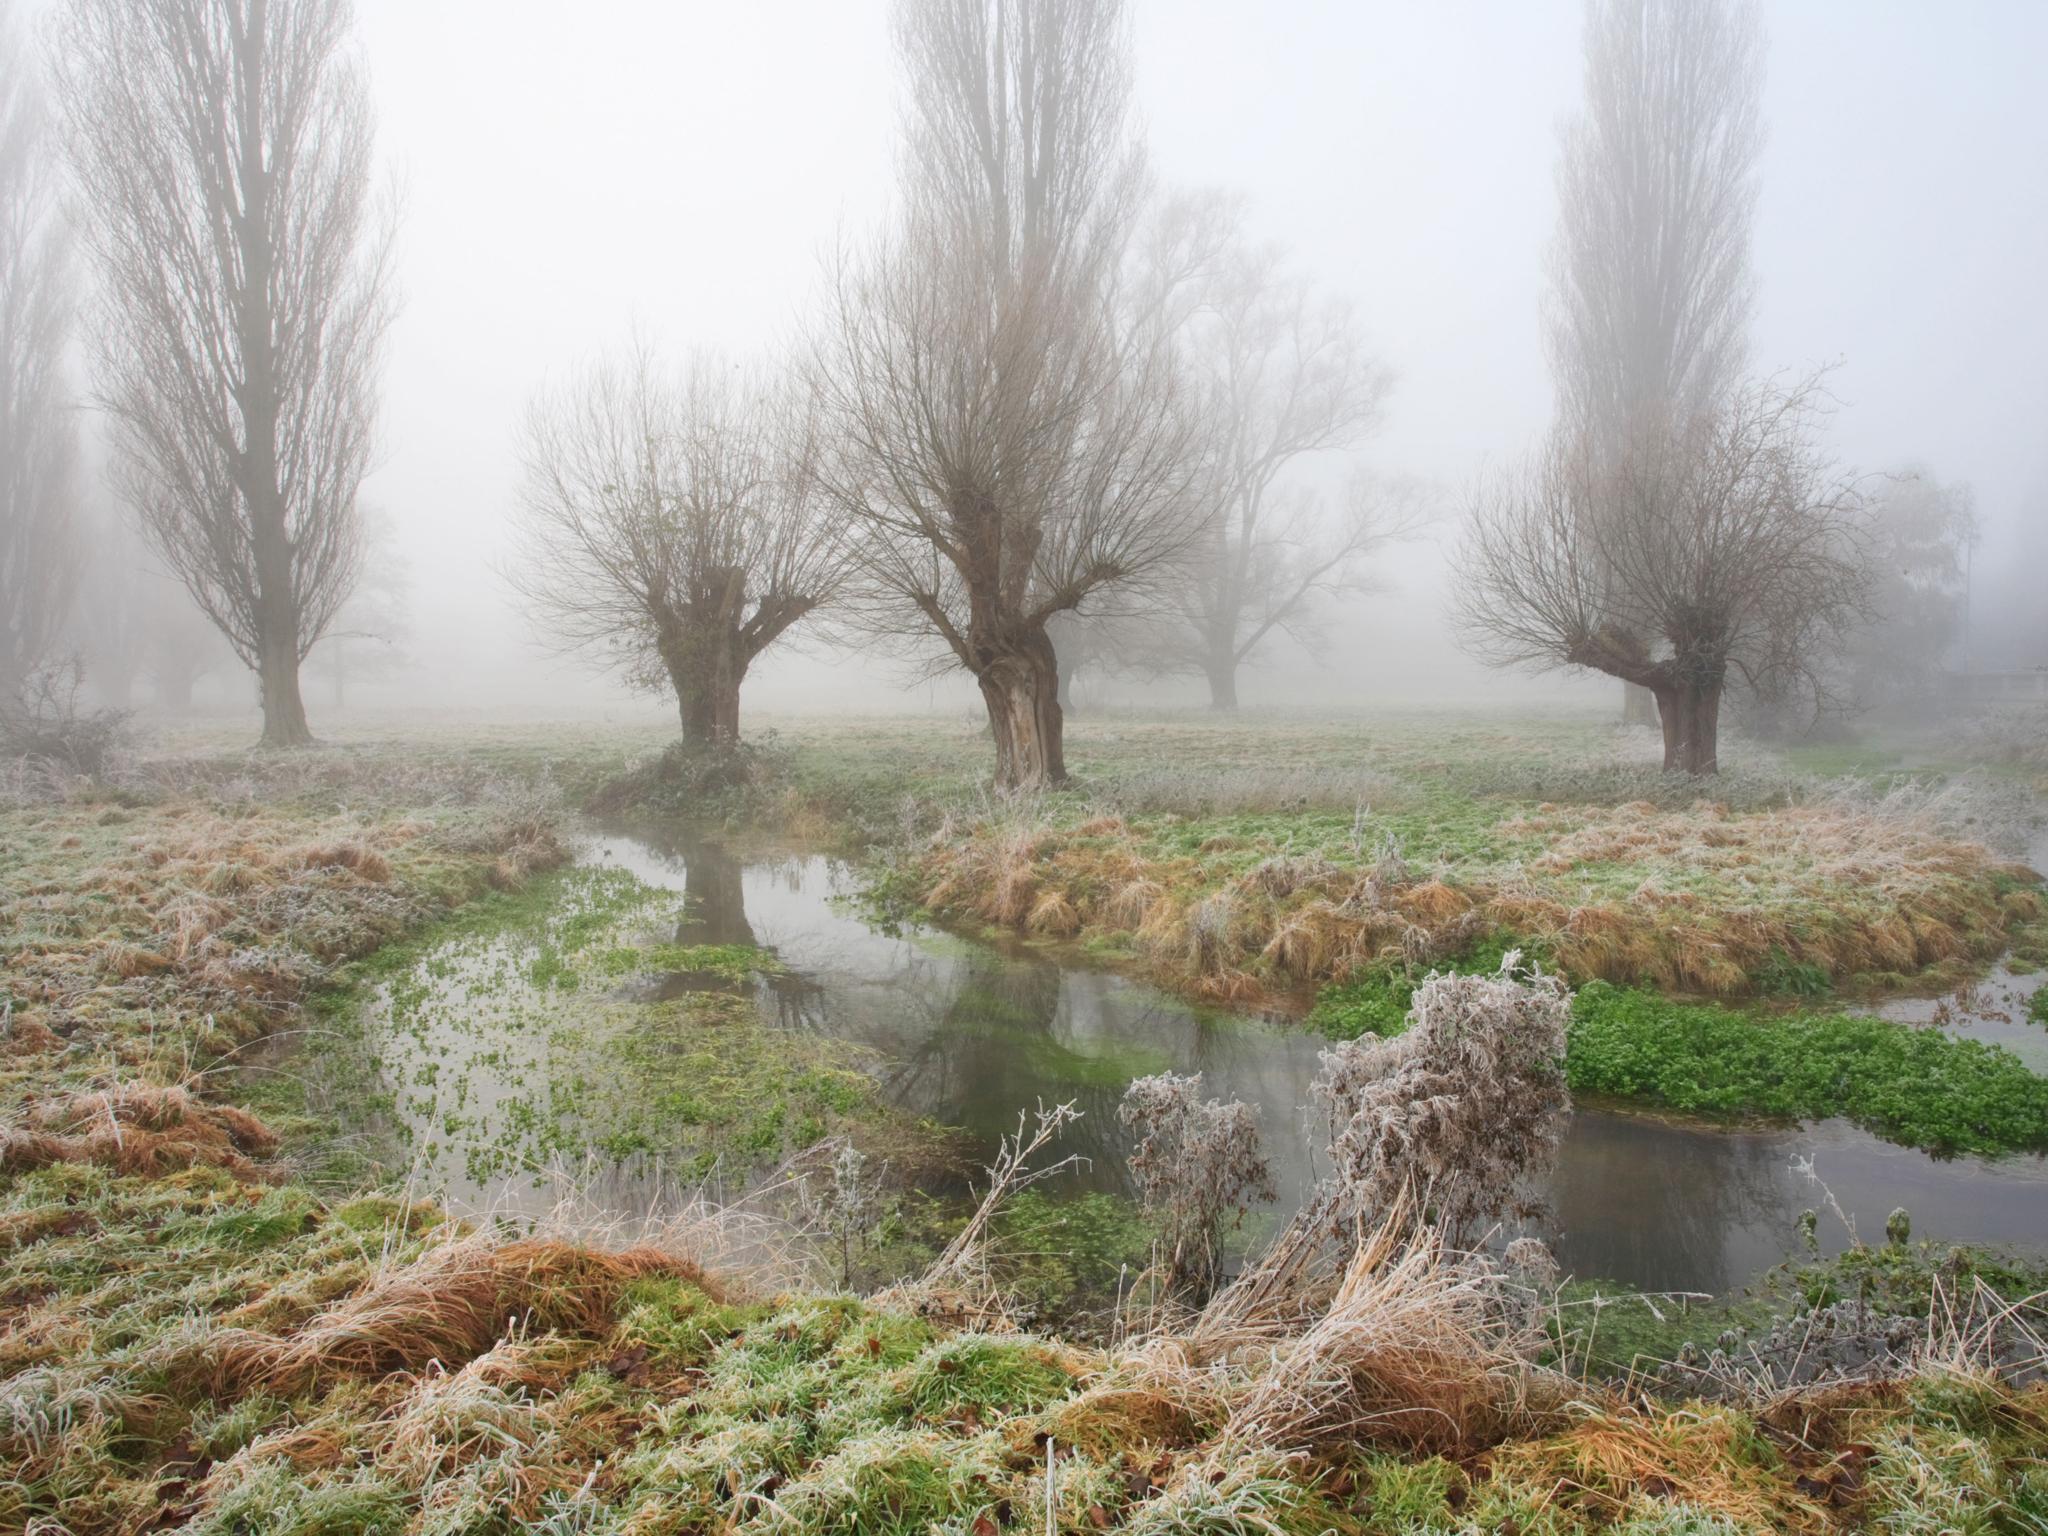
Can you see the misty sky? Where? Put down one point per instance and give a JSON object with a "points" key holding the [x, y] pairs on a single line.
{"points": [[571, 171]]}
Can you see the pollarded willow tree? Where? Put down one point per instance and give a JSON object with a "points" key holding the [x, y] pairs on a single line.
{"points": [[38, 438], [1283, 375], [1728, 551], [1011, 443], [1647, 318], [222, 150], [672, 526]]}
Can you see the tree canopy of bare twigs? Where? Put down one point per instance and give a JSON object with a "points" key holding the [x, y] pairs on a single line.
{"points": [[1729, 550], [1651, 290], [222, 150], [1282, 375], [1011, 440], [672, 526], [38, 434], [1650, 296]]}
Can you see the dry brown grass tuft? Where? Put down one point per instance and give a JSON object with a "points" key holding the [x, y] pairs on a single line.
{"points": [[1307, 943], [1613, 1463], [452, 1305], [356, 857], [1433, 903], [137, 1129], [1415, 1350], [1053, 916], [1133, 902], [125, 961]]}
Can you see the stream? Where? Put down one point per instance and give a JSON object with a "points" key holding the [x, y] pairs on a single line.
{"points": [[966, 1035]]}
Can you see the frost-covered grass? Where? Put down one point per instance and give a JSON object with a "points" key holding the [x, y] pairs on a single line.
{"points": [[1417, 836], [203, 1329]]}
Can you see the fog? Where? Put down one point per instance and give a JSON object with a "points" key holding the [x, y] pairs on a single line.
{"points": [[568, 176]]}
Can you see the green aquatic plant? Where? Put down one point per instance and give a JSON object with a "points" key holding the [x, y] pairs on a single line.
{"points": [[1916, 1087]]}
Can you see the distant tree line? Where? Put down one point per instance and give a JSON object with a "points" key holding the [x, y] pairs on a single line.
{"points": [[1051, 418]]}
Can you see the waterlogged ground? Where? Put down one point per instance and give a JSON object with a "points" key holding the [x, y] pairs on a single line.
{"points": [[683, 1013]]}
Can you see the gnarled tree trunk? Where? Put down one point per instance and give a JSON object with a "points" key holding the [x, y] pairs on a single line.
{"points": [[1690, 714], [1021, 689], [1222, 676]]}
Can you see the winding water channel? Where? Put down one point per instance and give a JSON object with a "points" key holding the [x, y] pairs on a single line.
{"points": [[966, 1035]]}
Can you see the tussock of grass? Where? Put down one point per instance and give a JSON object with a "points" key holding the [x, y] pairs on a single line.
{"points": [[1696, 897], [136, 1128]]}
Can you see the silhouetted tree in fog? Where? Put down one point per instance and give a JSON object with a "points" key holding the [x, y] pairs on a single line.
{"points": [[1650, 285], [1923, 530], [1728, 550], [673, 527], [1011, 443], [368, 635], [38, 434], [1282, 375], [222, 150]]}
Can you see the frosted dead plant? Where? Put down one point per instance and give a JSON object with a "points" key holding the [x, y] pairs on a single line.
{"points": [[1418, 1347], [1468, 1105], [1199, 1165]]}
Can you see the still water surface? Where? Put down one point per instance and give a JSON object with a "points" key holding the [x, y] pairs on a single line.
{"points": [[966, 1035]]}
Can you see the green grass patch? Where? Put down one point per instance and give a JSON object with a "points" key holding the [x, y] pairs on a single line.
{"points": [[1917, 1087]]}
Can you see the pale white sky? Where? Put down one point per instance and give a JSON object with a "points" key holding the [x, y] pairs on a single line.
{"points": [[570, 171]]}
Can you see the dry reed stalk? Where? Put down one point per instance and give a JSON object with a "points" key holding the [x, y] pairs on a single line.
{"points": [[957, 1281]]}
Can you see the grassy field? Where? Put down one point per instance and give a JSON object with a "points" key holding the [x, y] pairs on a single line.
{"points": [[215, 1317]]}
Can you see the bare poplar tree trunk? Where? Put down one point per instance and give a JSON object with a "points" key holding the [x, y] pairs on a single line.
{"points": [[1638, 705], [38, 434]]}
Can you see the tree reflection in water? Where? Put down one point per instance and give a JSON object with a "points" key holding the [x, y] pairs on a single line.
{"points": [[969, 1034]]}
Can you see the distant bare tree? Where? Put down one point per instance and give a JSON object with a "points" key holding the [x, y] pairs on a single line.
{"points": [[38, 434], [1011, 442], [1650, 285], [367, 637], [223, 148], [673, 527], [1730, 549], [1924, 530], [1283, 375]]}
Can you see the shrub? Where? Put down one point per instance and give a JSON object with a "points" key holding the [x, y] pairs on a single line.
{"points": [[45, 723], [1463, 1108], [1197, 1163]]}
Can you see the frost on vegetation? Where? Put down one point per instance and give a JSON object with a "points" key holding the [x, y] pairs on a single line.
{"points": [[2000, 814], [1199, 1166], [844, 1200], [1467, 1107], [51, 742], [1190, 790]]}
